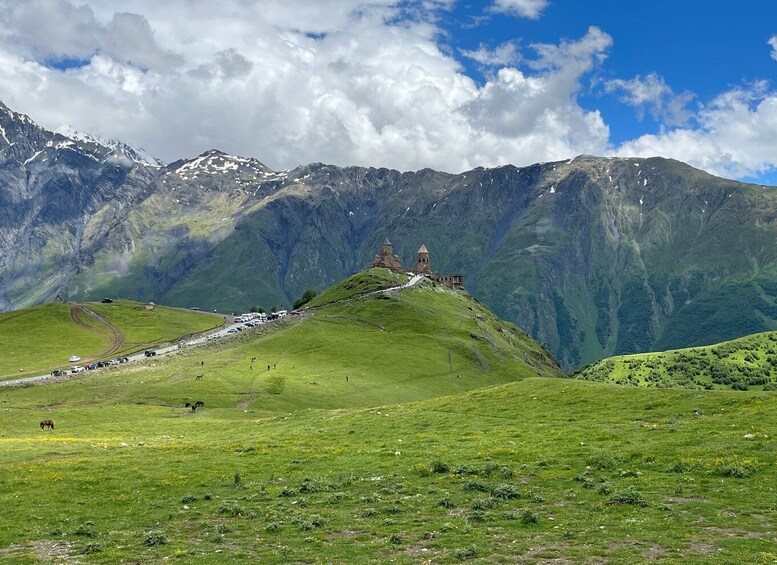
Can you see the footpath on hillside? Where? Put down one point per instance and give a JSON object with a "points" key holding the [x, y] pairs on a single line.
{"points": [[117, 339]]}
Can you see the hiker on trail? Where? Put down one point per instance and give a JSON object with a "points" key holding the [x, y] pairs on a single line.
{"points": [[202, 363], [268, 367], [346, 378]]}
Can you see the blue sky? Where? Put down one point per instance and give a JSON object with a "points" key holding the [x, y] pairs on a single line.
{"points": [[448, 84]]}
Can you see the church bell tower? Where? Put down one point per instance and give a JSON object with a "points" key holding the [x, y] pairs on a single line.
{"points": [[423, 266]]}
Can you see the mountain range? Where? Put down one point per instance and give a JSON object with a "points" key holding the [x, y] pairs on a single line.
{"points": [[592, 256]]}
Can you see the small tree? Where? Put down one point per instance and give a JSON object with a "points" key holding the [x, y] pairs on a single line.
{"points": [[257, 309], [306, 297], [273, 309]]}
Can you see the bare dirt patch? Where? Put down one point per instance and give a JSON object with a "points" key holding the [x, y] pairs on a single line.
{"points": [[48, 551]]}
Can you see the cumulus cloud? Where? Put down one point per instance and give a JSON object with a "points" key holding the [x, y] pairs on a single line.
{"points": [[736, 137], [773, 42], [653, 95], [292, 81], [524, 8], [502, 55], [50, 31]]}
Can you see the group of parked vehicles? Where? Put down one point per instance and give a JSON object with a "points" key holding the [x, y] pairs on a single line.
{"points": [[88, 366]]}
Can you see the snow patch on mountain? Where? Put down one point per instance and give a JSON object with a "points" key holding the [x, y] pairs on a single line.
{"points": [[218, 162], [132, 152]]}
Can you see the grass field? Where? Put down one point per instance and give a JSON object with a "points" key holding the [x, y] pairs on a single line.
{"points": [[426, 453], [538, 469], [39, 339], [742, 364]]}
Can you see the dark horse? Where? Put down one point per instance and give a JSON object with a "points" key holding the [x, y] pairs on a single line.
{"points": [[194, 406], [46, 424]]}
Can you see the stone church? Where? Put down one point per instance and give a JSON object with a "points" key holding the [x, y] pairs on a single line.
{"points": [[388, 260]]}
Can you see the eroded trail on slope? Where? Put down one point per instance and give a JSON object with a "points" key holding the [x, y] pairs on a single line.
{"points": [[117, 339]]}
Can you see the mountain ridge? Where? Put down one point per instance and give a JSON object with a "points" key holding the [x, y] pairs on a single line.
{"points": [[592, 256]]}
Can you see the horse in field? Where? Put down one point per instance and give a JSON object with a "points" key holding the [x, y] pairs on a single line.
{"points": [[194, 406], [46, 424]]}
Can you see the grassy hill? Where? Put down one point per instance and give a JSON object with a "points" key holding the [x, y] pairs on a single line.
{"points": [[39, 339], [412, 458], [539, 469], [746, 363]]}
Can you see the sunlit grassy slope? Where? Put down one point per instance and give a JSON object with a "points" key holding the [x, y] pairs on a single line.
{"points": [[412, 458], [741, 364], [39, 339], [540, 469]]}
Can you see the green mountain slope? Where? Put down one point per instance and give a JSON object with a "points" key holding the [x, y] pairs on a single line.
{"points": [[398, 346], [36, 340], [741, 364], [592, 256]]}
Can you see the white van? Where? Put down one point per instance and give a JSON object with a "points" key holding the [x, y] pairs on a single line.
{"points": [[239, 320]]}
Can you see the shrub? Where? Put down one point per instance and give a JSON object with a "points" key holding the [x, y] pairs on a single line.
{"points": [[238, 480], [86, 530], [528, 517], [476, 486], [505, 491], [272, 527], [306, 297], [445, 503], [395, 539], [466, 553], [154, 537], [368, 512], [440, 467], [188, 498], [629, 495], [231, 508], [476, 516], [603, 461]]}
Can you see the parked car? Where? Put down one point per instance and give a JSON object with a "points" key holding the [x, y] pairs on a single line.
{"points": [[74, 358], [149, 353], [107, 300], [123, 359], [195, 308], [77, 369], [232, 331], [58, 373]]}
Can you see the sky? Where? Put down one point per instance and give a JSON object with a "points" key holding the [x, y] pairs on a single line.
{"points": [[445, 84]]}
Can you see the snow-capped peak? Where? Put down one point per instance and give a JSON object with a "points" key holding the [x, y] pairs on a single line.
{"points": [[134, 153]]}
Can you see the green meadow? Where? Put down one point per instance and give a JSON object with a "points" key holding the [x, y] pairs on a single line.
{"points": [[748, 363], [408, 426], [39, 339]]}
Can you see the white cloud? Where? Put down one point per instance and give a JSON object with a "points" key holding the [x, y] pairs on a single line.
{"points": [[736, 137], [524, 8], [53, 30], [773, 42], [292, 81], [502, 55], [653, 95]]}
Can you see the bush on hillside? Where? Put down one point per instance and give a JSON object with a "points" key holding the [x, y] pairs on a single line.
{"points": [[306, 297]]}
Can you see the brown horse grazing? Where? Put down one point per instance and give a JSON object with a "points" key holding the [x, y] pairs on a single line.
{"points": [[198, 378], [46, 424]]}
